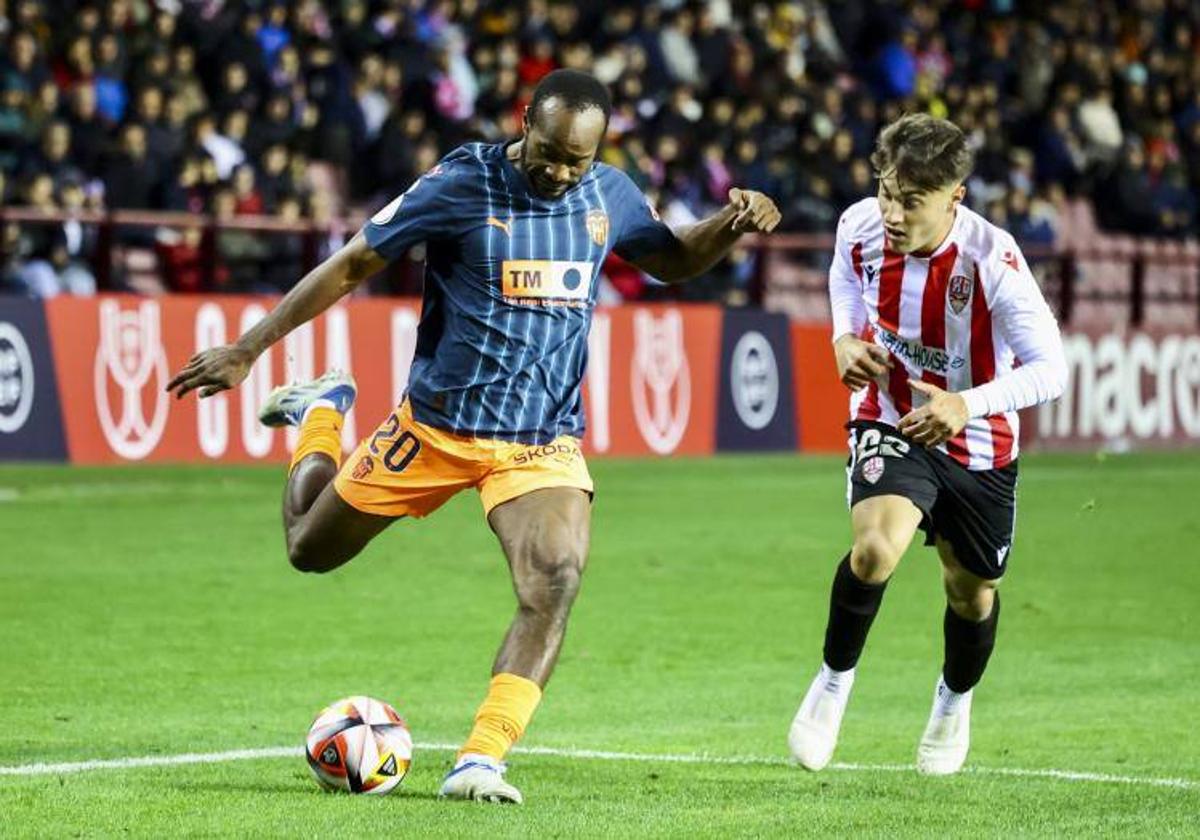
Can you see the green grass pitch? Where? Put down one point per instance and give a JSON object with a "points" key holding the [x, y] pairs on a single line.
{"points": [[150, 611]]}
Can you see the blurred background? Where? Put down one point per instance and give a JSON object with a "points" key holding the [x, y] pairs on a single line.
{"points": [[212, 148], [1085, 118]]}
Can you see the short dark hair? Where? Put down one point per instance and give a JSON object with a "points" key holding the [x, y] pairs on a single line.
{"points": [[578, 91], [924, 152]]}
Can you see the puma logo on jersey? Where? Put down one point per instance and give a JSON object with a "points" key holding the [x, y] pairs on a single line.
{"points": [[504, 226]]}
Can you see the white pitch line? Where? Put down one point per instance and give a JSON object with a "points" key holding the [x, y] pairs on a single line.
{"points": [[44, 769]]}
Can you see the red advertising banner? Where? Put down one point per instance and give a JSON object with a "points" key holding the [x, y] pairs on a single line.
{"points": [[651, 385], [114, 356], [1133, 390], [822, 401]]}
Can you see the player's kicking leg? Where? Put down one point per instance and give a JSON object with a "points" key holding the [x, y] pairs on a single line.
{"points": [[545, 536], [322, 530], [972, 614], [883, 528]]}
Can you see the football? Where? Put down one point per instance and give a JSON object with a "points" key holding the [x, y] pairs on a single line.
{"points": [[359, 745]]}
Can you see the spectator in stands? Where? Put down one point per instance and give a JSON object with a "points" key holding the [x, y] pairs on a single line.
{"points": [[45, 106], [89, 135], [1131, 200], [224, 152], [185, 83], [14, 122], [247, 199], [112, 93], [787, 95], [235, 94], [53, 156], [285, 251], [51, 255], [240, 253], [131, 176], [23, 61], [182, 257]]}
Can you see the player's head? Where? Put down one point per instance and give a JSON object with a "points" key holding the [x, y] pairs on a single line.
{"points": [[921, 163], [564, 125]]}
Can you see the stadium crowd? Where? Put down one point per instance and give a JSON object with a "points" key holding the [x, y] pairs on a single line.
{"points": [[308, 109]]}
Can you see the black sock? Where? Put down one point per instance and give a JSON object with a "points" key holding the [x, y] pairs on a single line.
{"points": [[852, 607], [968, 646]]}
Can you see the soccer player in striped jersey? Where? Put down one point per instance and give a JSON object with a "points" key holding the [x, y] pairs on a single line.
{"points": [[516, 234], [932, 305]]}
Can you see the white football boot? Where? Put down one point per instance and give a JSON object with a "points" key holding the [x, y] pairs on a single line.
{"points": [[943, 747], [479, 778], [286, 405], [814, 731]]}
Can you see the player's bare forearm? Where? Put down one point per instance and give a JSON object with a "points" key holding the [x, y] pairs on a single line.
{"points": [[220, 368], [700, 246], [320, 289]]}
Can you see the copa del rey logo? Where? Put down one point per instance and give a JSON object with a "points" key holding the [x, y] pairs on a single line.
{"points": [[130, 375], [661, 381]]}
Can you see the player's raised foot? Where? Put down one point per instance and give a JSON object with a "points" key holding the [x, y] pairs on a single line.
{"points": [[943, 747], [479, 778], [285, 406], [814, 731]]}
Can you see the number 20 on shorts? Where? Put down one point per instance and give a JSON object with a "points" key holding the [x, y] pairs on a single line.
{"points": [[402, 450]]}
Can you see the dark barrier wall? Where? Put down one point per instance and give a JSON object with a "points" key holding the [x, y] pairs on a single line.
{"points": [[30, 420], [757, 410]]}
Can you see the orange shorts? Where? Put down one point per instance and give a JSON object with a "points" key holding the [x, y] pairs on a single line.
{"points": [[410, 469]]}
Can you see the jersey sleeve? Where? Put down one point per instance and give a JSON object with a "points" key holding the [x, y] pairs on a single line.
{"points": [[423, 212], [1022, 317], [639, 230], [846, 305]]}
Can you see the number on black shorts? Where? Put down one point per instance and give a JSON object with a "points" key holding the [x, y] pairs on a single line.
{"points": [[875, 442]]}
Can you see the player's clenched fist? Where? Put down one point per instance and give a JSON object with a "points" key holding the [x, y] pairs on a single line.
{"points": [[218, 369], [756, 213], [858, 361]]}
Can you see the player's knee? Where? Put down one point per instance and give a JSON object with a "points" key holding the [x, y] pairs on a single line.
{"points": [[971, 603], [307, 556], [553, 580], [874, 556]]}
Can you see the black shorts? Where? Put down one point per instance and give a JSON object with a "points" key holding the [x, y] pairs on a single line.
{"points": [[974, 511]]}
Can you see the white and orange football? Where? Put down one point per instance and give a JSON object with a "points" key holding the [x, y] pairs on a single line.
{"points": [[360, 745]]}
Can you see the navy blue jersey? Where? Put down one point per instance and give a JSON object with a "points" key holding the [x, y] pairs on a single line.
{"points": [[510, 285]]}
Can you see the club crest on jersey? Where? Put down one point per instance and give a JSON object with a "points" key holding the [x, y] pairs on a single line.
{"points": [[958, 292], [363, 468], [872, 469], [597, 226]]}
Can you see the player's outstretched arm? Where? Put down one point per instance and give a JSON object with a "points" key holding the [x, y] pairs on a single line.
{"points": [[699, 246], [225, 367]]}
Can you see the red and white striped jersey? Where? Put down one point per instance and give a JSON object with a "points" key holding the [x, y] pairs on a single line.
{"points": [[957, 318]]}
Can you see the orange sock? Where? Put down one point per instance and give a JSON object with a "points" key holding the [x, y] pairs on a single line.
{"points": [[503, 716], [321, 432]]}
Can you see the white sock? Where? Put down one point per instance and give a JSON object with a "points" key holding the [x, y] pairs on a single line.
{"points": [[321, 403], [946, 702], [837, 682]]}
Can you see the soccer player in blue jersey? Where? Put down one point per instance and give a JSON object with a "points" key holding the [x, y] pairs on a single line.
{"points": [[516, 234]]}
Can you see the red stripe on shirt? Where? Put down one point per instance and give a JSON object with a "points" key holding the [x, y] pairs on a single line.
{"points": [[891, 281], [856, 261], [933, 332], [983, 369]]}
